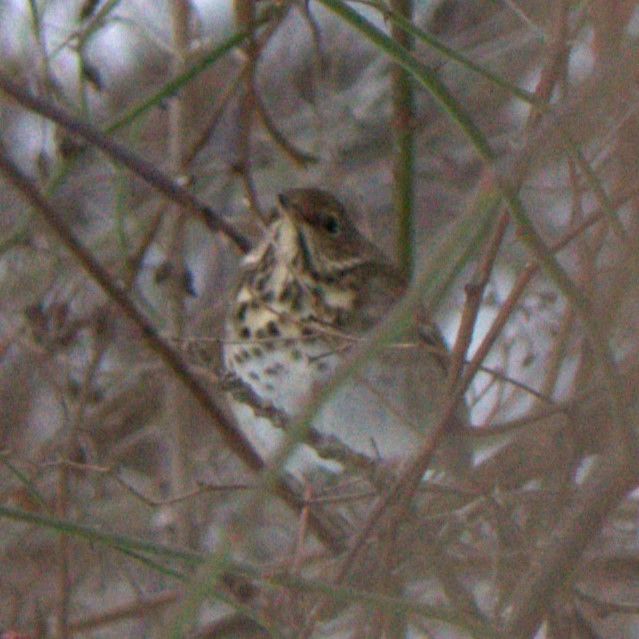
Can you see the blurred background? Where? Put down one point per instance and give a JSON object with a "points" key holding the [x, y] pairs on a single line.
{"points": [[115, 483]]}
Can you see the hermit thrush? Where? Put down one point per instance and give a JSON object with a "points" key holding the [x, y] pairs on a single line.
{"points": [[310, 291]]}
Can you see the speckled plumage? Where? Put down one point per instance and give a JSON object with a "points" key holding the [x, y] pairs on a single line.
{"points": [[310, 290]]}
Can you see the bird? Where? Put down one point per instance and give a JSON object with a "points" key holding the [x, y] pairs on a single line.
{"points": [[309, 292]]}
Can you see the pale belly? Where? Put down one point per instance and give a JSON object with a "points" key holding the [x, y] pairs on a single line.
{"points": [[381, 411]]}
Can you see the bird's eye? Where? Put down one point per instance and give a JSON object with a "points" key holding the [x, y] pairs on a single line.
{"points": [[328, 222]]}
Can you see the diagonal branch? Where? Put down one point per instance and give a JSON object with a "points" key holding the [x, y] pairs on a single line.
{"points": [[120, 154], [233, 437]]}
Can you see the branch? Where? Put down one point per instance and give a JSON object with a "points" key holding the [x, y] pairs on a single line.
{"points": [[120, 154], [233, 436]]}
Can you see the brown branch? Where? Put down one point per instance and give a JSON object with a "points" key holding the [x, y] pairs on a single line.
{"points": [[233, 437], [474, 296], [299, 157], [557, 558], [120, 154], [207, 132]]}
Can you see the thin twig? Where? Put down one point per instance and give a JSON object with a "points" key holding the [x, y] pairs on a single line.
{"points": [[143, 169], [232, 435]]}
